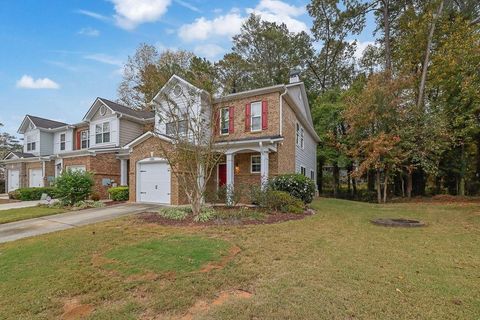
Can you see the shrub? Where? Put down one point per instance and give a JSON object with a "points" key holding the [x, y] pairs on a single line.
{"points": [[205, 215], [85, 204], [118, 193], [29, 194], [281, 201], [175, 213], [296, 185], [74, 186], [95, 196]]}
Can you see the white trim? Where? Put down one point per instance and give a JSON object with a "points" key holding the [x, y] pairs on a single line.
{"points": [[138, 180], [144, 137], [221, 120], [251, 116], [251, 163], [168, 84]]}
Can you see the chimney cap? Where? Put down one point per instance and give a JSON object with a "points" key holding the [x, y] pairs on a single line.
{"points": [[294, 72]]}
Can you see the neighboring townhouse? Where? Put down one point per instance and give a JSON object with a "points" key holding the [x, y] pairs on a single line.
{"points": [[263, 133], [95, 145]]}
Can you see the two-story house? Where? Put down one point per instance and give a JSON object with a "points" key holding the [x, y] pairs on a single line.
{"points": [[95, 144], [262, 132]]}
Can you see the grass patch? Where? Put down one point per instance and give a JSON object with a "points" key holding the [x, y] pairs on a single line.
{"points": [[333, 265], [12, 215], [176, 253]]}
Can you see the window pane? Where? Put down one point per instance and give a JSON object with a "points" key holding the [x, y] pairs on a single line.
{"points": [[256, 123], [84, 144], [256, 164], [106, 137], [33, 145], [98, 138], [170, 128], [225, 121], [106, 127], [98, 128], [256, 109]]}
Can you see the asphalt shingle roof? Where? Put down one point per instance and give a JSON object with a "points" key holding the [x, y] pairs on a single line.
{"points": [[46, 123], [126, 110]]}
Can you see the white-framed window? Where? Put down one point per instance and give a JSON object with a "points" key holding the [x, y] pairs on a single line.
{"points": [[224, 121], [303, 171], [255, 164], [256, 116], [176, 128], [85, 139], [102, 132], [312, 174], [79, 168], [31, 146], [63, 141], [300, 136]]}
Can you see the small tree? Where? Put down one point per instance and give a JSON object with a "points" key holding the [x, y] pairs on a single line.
{"points": [[73, 186]]}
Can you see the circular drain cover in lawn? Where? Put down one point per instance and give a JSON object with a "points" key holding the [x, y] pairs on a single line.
{"points": [[398, 222]]}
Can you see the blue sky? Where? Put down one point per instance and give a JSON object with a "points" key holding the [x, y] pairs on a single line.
{"points": [[58, 56]]}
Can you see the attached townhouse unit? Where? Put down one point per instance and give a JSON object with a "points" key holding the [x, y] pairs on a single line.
{"points": [[95, 144], [262, 133]]}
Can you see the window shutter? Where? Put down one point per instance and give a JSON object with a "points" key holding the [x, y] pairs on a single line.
{"points": [[78, 145], [264, 115], [247, 117], [231, 118]]}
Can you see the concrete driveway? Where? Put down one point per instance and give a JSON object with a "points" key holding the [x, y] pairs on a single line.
{"points": [[37, 226]]}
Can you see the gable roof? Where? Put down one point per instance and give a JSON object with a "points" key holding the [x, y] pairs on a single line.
{"points": [[41, 123], [171, 83], [117, 108], [18, 155]]}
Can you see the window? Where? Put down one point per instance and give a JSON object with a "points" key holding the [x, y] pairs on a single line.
{"points": [[176, 127], [31, 146], [300, 136], [312, 174], [224, 121], [62, 141], [256, 164], [303, 171], [256, 116], [102, 132], [84, 139]]}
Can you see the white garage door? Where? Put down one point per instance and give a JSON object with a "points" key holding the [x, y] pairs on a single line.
{"points": [[153, 182], [13, 180], [35, 178]]}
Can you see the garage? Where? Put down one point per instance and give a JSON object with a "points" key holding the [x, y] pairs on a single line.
{"points": [[153, 181], [35, 178], [13, 182]]}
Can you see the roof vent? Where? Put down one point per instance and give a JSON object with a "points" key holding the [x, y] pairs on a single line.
{"points": [[294, 76]]}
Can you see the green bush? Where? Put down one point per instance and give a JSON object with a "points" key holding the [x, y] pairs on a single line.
{"points": [[175, 213], [118, 193], [86, 204], [205, 215], [29, 194], [74, 186], [281, 201], [296, 185]]}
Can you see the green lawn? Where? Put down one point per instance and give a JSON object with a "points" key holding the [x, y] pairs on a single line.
{"points": [[334, 265], [26, 213]]}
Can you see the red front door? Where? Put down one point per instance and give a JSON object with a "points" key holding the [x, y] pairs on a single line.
{"points": [[222, 174]]}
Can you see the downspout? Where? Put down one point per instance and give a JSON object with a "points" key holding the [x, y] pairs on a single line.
{"points": [[281, 110]]}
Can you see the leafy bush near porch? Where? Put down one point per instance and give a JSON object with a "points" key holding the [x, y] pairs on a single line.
{"points": [[74, 186], [281, 201], [296, 185], [118, 193], [30, 194]]}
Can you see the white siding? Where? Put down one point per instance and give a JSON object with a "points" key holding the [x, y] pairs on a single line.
{"points": [[306, 157], [129, 131], [114, 132], [68, 141], [32, 136]]}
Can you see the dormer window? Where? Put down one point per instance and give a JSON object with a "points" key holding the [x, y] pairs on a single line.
{"points": [[176, 128], [62, 141], [31, 146], [102, 133]]}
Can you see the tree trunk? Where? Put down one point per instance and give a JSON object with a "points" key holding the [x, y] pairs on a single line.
{"points": [[477, 143], [386, 31], [426, 60], [320, 177], [409, 183], [371, 180], [354, 187], [402, 181], [385, 186], [336, 179], [461, 187], [379, 187]]}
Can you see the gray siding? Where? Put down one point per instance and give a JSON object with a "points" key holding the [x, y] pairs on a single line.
{"points": [[46, 143], [307, 157], [129, 131], [98, 116]]}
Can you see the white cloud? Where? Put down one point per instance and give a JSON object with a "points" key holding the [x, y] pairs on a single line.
{"points": [[209, 51], [92, 14], [202, 28], [27, 82], [89, 32], [131, 13], [230, 24], [188, 5], [360, 47], [105, 58]]}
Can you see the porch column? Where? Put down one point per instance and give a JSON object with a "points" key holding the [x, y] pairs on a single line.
{"points": [[230, 176], [264, 168], [123, 172]]}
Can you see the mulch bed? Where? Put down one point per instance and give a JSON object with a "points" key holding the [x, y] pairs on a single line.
{"points": [[112, 203], [153, 217]]}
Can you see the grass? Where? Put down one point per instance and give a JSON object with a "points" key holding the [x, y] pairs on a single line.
{"points": [[334, 265], [12, 215]]}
